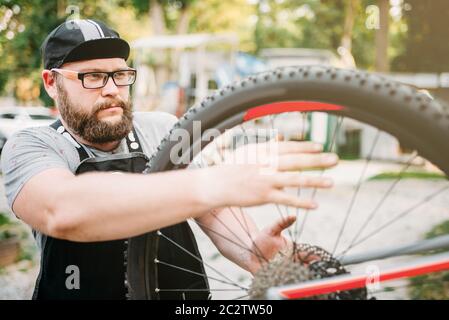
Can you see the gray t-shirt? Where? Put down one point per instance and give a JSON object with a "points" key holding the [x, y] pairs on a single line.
{"points": [[33, 150]]}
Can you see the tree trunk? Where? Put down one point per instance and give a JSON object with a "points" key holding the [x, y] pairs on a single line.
{"points": [[163, 70], [382, 63], [346, 40], [60, 7], [182, 27], [157, 18], [257, 31], [183, 23]]}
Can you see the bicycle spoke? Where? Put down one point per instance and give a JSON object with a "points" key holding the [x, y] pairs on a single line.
{"points": [[379, 204], [298, 192], [242, 214], [304, 127], [295, 232], [193, 272], [246, 230], [259, 256], [197, 258], [401, 215], [419, 247], [277, 206], [284, 218], [230, 240], [314, 190], [356, 192], [227, 228]]}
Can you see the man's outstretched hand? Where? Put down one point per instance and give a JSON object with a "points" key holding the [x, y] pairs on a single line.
{"points": [[233, 182], [237, 183], [270, 241]]}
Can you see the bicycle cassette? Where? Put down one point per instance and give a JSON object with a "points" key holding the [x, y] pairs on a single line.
{"points": [[301, 263]]}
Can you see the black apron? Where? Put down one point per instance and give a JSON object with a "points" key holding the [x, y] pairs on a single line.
{"points": [[102, 265]]}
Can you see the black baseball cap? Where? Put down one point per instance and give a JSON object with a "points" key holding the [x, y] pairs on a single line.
{"points": [[83, 39]]}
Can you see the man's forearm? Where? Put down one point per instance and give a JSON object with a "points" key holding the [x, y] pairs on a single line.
{"points": [[105, 206]]}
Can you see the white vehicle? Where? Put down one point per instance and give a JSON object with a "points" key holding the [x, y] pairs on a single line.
{"points": [[16, 118]]}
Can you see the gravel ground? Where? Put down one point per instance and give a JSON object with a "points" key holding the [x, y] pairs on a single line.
{"points": [[322, 226], [17, 280]]}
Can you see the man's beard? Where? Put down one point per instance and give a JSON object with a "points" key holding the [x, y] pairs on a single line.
{"points": [[88, 126]]}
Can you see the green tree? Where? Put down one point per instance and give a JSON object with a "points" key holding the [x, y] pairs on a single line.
{"points": [[22, 35], [382, 62], [321, 24], [167, 16], [25, 30]]}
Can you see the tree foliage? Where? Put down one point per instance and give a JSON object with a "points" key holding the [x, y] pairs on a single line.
{"points": [[171, 10], [260, 24], [313, 24], [23, 33]]}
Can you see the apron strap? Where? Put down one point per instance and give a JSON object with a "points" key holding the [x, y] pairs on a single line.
{"points": [[58, 126], [132, 140]]}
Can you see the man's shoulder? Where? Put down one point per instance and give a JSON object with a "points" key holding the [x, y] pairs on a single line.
{"points": [[33, 134], [152, 127], [35, 138], [154, 118], [155, 121]]}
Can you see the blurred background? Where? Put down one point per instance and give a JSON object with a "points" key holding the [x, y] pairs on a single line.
{"points": [[183, 50]]}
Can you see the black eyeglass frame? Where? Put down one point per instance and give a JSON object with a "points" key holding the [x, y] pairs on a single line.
{"points": [[81, 75]]}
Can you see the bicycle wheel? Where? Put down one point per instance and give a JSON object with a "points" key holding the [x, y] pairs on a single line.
{"points": [[155, 268]]}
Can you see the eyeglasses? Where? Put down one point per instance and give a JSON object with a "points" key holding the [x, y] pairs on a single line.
{"points": [[98, 79]]}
